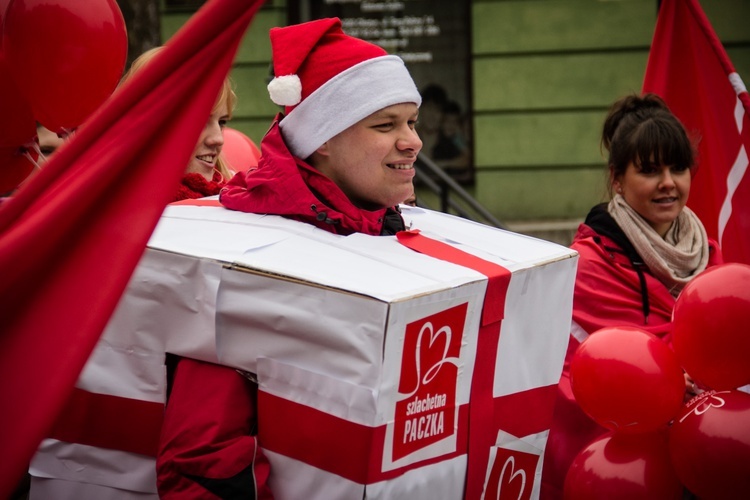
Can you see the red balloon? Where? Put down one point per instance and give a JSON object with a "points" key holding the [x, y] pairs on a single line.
{"points": [[239, 150], [66, 56], [17, 125], [711, 334], [623, 466], [627, 379], [14, 168], [709, 442]]}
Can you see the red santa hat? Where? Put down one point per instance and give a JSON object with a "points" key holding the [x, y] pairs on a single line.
{"points": [[328, 81]]}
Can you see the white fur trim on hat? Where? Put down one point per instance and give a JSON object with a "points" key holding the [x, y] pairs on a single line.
{"points": [[285, 90], [345, 99]]}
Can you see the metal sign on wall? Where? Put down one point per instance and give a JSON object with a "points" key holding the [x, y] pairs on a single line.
{"points": [[432, 37]]}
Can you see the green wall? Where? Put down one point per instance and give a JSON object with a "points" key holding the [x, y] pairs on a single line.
{"points": [[544, 74], [251, 67]]}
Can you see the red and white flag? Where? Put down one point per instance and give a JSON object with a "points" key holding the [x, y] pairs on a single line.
{"points": [[690, 69], [71, 237]]}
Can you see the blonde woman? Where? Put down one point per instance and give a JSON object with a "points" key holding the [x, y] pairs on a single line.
{"points": [[207, 172]]}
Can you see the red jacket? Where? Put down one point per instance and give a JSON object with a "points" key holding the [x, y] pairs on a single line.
{"points": [[613, 288], [194, 186], [208, 448], [285, 185]]}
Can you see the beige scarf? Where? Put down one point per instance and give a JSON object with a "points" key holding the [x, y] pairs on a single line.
{"points": [[675, 259]]}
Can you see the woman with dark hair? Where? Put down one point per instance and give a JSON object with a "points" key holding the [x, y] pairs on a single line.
{"points": [[636, 253]]}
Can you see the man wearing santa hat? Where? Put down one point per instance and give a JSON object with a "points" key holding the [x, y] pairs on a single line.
{"points": [[340, 157]]}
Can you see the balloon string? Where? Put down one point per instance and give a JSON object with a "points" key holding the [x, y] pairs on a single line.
{"points": [[65, 132], [32, 160], [28, 156]]}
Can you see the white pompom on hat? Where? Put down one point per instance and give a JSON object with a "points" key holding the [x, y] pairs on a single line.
{"points": [[285, 90], [328, 81]]}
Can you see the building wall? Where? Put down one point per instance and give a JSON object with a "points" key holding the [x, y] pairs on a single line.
{"points": [[251, 67], [544, 74]]}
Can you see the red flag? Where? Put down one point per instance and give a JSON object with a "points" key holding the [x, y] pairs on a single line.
{"points": [[71, 237], [690, 69]]}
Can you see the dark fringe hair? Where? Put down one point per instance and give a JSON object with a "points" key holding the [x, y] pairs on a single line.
{"points": [[642, 130]]}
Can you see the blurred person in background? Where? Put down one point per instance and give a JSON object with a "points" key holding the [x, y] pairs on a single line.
{"points": [[206, 172]]}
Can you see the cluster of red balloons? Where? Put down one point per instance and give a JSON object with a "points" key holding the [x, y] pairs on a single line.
{"points": [[59, 61], [631, 382]]}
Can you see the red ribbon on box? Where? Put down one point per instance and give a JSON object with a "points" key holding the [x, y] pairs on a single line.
{"points": [[519, 414], [110, 422], [482, 428], [340, 446]]}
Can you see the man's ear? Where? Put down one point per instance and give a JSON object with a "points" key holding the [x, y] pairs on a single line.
{"points": [[319, 157], [323, 150]]}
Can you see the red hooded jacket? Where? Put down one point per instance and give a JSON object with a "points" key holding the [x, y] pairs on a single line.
{"points": [[613, 288], [285, 185]]}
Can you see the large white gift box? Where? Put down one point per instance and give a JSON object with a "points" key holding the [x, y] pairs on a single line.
{"points": [[417, 366]]}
